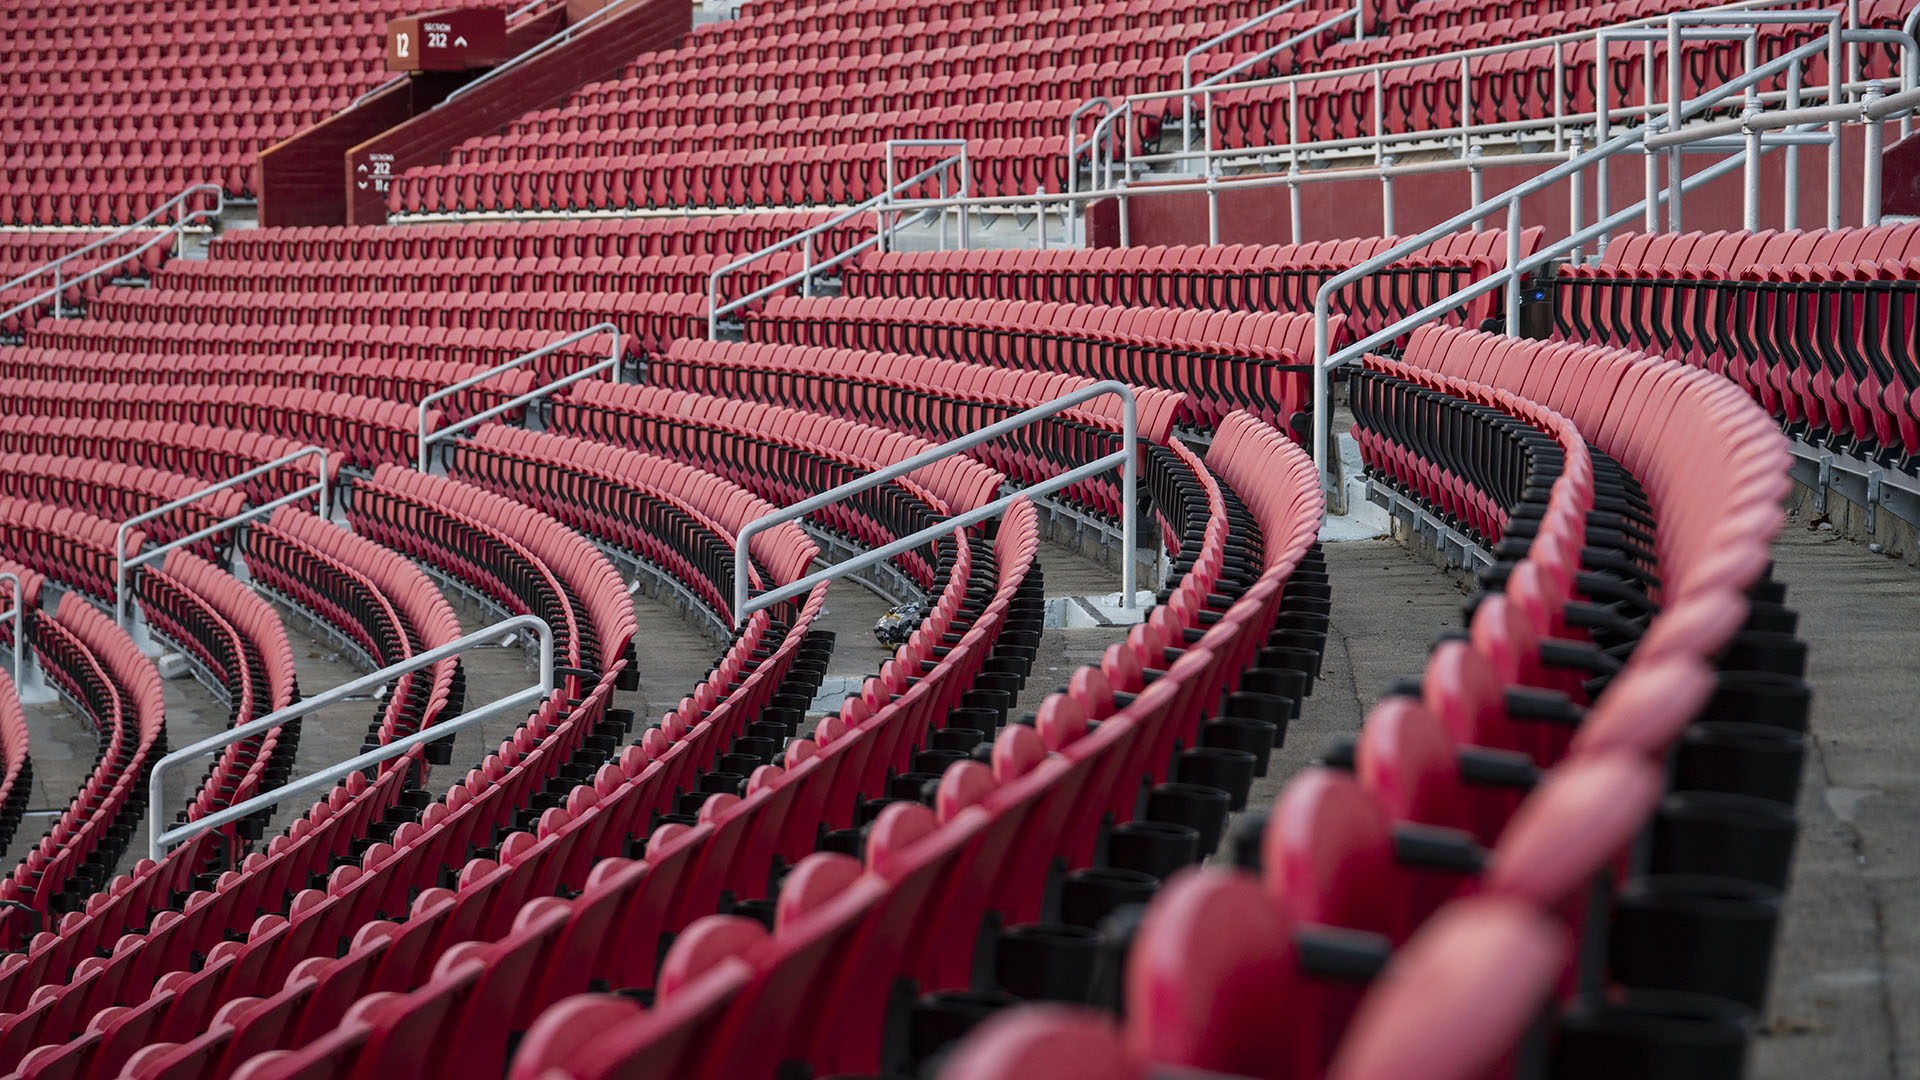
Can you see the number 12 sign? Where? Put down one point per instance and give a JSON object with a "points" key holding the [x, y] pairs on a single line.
{"points": [[456, 39]]}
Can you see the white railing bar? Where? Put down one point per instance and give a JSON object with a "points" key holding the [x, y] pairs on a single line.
{"points": [[1569, 38], [1322, 303], [1254, 180], [1580, 122], [426, 439], [122, 564], [1859, 112], [167, 235], [17, 613], [219, 197], [876, 203], [159, 840], [1129, 483]]}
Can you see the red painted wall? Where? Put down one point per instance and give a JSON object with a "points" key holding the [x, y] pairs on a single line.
{"points": [[300, 180], [545, 81], [1337, 210]]}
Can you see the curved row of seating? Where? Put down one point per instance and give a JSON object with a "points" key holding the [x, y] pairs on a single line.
{"points": [[362, 431], [209, 454], [936, 400], [1222, 277], [679, 519], [71, 547], [785, 455], [404, 382], [284, 248], [96, 666], [1814, 324], [1214, 362], [1559, 878], [114, 492]]}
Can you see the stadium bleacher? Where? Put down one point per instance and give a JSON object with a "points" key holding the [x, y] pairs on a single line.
{"points": [[1035, 833]]}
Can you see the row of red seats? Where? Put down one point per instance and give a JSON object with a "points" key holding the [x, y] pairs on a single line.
{"points": [[305, 292], [419, 343], [69, 546], [936, 400], [58, 197], [205, 453], [117, 492], [551, 947], [565, 239], [785, 455], [1815, 325], [676, 517], [361, 431], [99, 667], [835, 174], [1213, 361], [845, 940], [1229, 277], [402, 382]]}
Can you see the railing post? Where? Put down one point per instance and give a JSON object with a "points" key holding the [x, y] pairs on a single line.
{"points": [[1870, 174], [1790, 219], [57, 290], [1835, 96], [806, 267], [1575, 197], [1386, 197], [1750, 194], [18, 616], [1559, 95], [1040, 213], [1674, 93], [1476, 184], [1293, 200], [1513, 269], [1126, 233], [1213, 206], [966, 190]]}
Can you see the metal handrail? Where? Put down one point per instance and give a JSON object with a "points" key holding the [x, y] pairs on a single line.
{"points": [[1516, 267], [1462, 57], [426, 439], [159, 840], [1357, 13], [534, 51], [804, 237], [17, 613], [942, 168], [122, 565], [1126, 457], [167, 233]]}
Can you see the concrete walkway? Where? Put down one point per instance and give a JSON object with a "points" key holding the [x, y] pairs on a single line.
{"points": [[1846, 986]]}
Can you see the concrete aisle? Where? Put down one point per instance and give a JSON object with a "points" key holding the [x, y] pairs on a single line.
{"points": [[1846, 980]]}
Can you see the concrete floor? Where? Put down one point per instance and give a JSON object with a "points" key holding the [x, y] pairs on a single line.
{"points": [[1846, 980]]}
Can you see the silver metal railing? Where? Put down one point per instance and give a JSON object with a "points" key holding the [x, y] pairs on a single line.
{"points": [[123, 566], [1518, 268], [1355, 14], [1561, 120], [535, 51], [1126, 458], [168, 234], [877, 205], [943, 170], [18, 615], [159, 839], [540, 393]]}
